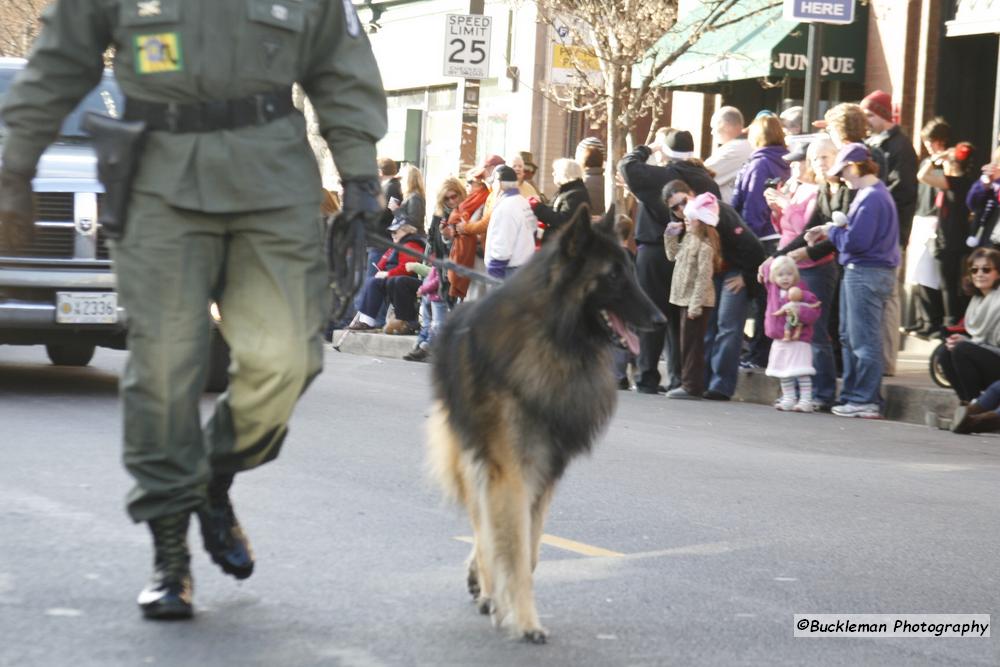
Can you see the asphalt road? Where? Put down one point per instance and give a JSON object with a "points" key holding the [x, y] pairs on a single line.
{"points": [[724, 521]]}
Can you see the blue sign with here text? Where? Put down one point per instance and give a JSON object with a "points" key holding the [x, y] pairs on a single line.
{"points": [[820, 11]]}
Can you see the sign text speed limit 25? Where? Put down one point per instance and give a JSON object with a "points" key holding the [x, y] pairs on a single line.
{"points": [[467, 45]]}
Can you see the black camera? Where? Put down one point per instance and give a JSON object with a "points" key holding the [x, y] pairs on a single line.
{"points": [[772, 183]]}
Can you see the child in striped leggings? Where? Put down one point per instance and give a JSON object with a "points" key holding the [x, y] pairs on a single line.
{"points": [[790, 303]]}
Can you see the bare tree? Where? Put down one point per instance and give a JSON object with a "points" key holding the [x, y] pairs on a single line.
{"points": [[622, 39], [19, 25]]}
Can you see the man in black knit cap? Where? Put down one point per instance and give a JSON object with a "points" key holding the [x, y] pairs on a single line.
{"points": [[646, 181]]}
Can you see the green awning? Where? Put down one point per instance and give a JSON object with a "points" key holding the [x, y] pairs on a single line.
{"points": [[761, 43]]}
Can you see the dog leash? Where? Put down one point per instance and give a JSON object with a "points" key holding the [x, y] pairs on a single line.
{"points": [[446, 264], [347, 258]]}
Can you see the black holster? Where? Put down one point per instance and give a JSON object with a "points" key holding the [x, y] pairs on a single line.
{"points": [[119, 147]]}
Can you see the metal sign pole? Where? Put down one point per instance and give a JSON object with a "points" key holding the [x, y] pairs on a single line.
{"points": [[814, 54], [838, 12], [469, 100], [470, 124]]}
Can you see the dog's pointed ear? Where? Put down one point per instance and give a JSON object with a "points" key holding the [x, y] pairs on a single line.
{"points": [[577, 234], [607, 223]]}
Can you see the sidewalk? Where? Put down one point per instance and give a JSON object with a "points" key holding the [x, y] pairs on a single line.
{"points": [[910, 396]]}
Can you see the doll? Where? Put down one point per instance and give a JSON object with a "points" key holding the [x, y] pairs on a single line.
{"points": [[793, 323]]}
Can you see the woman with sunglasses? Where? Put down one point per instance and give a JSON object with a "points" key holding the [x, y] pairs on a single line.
{"points": [[973, 361], [451, 193]]}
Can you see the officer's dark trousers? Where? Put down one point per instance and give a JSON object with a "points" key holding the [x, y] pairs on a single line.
{"points": [[267, 273], [655, 273]]}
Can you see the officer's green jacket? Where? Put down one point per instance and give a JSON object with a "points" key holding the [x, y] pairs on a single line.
{"points": [[190, 51]]}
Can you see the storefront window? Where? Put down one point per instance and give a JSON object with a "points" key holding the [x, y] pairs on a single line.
{"points": [[439, 129]]}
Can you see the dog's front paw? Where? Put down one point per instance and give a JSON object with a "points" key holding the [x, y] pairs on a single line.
{"points": [[484, 605], [536, 636]]}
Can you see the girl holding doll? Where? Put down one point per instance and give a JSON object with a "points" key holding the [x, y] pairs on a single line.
{"points": [[791, 311]]}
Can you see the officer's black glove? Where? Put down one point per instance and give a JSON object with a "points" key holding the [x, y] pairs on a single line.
{"points": [[363, 198], [17, 209], [360, 216]]}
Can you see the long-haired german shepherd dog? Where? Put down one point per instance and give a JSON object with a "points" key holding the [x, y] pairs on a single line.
{"points": [[523, 382]]}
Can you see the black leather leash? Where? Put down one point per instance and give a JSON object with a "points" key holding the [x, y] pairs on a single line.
{"points": [[445, 264], [347, 255]]}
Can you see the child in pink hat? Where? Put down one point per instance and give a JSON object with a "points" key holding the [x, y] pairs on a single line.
{"points": [[696, 259]]}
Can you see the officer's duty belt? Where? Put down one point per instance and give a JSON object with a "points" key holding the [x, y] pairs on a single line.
{"points": [[258, 109]]}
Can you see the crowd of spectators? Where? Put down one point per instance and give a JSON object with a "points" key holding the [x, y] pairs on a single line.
{"points": [[490, 222], [838, 205], [782, 252]]}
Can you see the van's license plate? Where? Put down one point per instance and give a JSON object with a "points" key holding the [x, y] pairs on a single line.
{"points": [[86, 307]]}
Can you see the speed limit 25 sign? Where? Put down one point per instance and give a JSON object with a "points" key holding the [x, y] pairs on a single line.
{"points": [[467, 45]]}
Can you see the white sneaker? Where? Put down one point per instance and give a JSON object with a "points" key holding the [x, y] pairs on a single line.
{"points": [[862, 411], [785, 405], [803, 406]]}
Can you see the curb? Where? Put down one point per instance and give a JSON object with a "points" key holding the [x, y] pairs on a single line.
{"points": [[927, 406], [374, 344]]}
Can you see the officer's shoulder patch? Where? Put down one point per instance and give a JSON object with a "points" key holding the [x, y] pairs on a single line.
{"points": [[351, 21], [158, 53]]}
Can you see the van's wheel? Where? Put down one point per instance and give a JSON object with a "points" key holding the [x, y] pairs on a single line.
{"points": [[937, 372], [70, 355], [218, 363]]}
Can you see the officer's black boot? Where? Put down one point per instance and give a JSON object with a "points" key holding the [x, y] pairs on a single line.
{"points": [[168, 594], [224, 538]]}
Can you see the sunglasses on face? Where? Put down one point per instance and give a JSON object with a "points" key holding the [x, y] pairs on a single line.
{"points": [[981, 269], [451, 197], [679, 206]]}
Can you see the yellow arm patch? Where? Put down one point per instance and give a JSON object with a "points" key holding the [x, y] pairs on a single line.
{"points": [[158, 53]]}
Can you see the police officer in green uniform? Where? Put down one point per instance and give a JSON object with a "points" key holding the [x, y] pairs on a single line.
{"points": [[224, 206]]}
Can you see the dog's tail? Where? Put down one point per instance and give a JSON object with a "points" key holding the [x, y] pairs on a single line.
{"points": [[444, 452]]}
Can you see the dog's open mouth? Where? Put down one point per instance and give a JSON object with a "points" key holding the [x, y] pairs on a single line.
{"points": [[620, 332]]}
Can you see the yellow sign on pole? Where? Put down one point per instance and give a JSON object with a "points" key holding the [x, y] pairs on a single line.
{"points": [[573, 63], [570, 64]]}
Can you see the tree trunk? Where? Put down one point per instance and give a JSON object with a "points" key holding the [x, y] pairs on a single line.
{"points": [[616, 147]]}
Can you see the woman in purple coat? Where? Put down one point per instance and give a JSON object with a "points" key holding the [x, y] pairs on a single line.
{"points": [[765, 164], [764, 167]]}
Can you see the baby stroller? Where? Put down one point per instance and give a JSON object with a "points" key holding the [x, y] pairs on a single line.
{"points": [[937, 373]]}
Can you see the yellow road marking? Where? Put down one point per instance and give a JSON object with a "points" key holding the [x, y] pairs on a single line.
{"points": [[567, 545]]}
